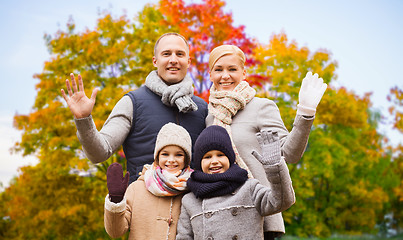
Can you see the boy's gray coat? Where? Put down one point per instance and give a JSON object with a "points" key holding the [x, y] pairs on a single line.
{"points": [[238, 215]]}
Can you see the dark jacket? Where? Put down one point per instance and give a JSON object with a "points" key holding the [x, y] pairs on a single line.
{"points": [[149, 115]]}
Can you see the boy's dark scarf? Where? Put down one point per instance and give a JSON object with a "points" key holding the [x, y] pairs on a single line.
{"points": [[205, 185]]}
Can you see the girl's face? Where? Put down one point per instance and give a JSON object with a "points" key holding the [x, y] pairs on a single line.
{"points": [[172, 159], [215, 161], [227, 72]]}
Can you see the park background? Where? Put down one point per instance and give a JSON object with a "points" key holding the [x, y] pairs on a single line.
{"points": [[348, 182]]}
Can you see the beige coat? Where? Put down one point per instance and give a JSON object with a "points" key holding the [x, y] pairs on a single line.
{"points": [[263, 114], [144, 214]]}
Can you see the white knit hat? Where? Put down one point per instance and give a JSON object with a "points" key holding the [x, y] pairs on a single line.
{"points": [[173, 134]]}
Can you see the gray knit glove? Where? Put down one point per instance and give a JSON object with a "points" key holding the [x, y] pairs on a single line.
{"points": [[270, 144]]}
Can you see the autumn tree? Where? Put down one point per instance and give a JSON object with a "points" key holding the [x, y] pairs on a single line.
{"points": [[284, 64], [396, 195], [112, 57], [339, 175], [47, 203], [344, 182], [50, 197], [206, 26], [337, 181], [53, 199], [395, 98]]}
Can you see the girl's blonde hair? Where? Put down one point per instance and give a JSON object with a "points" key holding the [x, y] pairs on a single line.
{"points": [[223, 50]]}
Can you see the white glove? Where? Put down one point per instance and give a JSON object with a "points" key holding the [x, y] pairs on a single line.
{"points": [[310, 94]]}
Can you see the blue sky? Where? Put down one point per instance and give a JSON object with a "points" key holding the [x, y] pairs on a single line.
{"points": [[365, 37]]}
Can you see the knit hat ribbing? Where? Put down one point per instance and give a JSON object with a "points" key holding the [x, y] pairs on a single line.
{"points": [[213, 138], [173, 134]]}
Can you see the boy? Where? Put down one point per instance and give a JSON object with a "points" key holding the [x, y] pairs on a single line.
{"points": [[223, 202]]}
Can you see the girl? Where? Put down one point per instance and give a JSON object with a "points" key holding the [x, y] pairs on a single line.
{"points": [[223, 202], [150, 207]]}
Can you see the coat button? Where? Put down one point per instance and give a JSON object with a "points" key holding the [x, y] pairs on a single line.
{"points": [[235, 237], [234, 212], [210, 238], [208, 215]]}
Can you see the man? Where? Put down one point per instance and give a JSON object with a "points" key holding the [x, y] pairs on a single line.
{"points": [[138, 116]]}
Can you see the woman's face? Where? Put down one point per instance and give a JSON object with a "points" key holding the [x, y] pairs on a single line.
{"points": [[227, 73]]}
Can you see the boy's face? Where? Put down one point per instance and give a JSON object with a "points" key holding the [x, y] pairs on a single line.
{"points": [[172, 159], [215, 161], [172, 59]]}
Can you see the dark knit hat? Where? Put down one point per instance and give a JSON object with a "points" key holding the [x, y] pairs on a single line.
{"points": [[213, 138]]}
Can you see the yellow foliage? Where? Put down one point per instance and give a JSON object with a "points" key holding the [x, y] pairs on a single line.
{"points": [[344, 182]]}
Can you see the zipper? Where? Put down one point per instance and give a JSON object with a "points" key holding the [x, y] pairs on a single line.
{"points": [[176, 116]]}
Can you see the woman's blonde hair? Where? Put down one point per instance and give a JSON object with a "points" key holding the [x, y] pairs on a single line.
{"points": [[223, 50]]}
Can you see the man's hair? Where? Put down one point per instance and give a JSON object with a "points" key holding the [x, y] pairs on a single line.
{"points": [[168, 34]]}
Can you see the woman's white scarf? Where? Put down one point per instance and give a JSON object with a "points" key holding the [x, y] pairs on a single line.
{"points": [[179, 94], [225, 104], [162, 183]]}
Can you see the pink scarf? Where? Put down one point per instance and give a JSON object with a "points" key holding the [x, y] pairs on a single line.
{"points": [[162, 183]]}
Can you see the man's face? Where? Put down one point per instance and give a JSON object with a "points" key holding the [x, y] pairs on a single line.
{"points": [[172, 59]]}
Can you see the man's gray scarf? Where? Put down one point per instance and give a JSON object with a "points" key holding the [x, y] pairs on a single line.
{"points": [[179, 94]]}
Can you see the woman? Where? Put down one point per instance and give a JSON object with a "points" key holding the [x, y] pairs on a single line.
{"points": [[234, 106]]}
